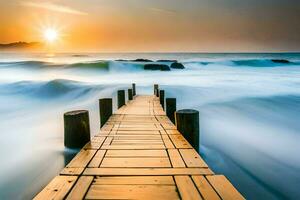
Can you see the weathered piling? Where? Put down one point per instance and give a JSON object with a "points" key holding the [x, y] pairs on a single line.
{"points": [[130, 94], [121, 98], [105, 110], [171, 108], [77, 128], [187, 122], [157, 92], [133, 89], [155, 89], [162, 98]]}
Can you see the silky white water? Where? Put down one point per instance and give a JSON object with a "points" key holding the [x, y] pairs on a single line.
{"points": [[249, 113]]}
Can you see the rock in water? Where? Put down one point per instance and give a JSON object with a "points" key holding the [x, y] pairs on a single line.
{"points": [[280, 61], [167, 61], [142, 60], [177, 65], [157, 67]]}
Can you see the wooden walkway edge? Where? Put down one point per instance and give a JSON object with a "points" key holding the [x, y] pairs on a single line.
{"points": [[139, 154]]}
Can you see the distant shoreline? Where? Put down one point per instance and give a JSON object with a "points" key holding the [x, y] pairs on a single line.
{"points": [[21, 46]]}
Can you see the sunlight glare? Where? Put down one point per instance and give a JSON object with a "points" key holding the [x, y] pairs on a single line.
{"points": [[50, 35]]}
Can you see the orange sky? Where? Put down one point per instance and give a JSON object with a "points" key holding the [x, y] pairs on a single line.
{"points": [[156, 25]]}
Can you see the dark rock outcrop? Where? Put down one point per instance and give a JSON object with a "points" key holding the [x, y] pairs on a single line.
{"points": [[136, 60], [142, 60], [280, 61], [157, 67], [167, 61], [177, 65]]}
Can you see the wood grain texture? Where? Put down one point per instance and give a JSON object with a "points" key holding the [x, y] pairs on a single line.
{"points": [[146, 171], [57, 188], [80, 189], [187, 189], [134, 180], [175, 158], [132, 192], [205, 188], [192, 158], [224, 188]]}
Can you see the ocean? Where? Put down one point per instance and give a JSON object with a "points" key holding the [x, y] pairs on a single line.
{"points": [[249, 113]]}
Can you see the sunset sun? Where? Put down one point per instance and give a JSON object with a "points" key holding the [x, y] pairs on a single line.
{"points": [[50, 35]]}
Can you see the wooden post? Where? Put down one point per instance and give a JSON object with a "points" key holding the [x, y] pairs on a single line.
{"points": [[121, 98], [162, 98], [105, 109], [157, 92], [133, 89], [155, 89], [187, 122], [130, 94], [77, 128], [171, 108]]}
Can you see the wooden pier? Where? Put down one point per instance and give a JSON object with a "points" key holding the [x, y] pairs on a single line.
{"points": [[139, 154]]}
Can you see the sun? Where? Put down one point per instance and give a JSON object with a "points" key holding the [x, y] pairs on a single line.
{"points": [[50, 35]]}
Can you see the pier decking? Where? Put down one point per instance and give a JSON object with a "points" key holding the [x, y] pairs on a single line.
{"points": [[138, 154]]}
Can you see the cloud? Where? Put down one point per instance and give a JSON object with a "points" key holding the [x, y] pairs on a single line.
{"points": [[53, 7], [160, 10]]}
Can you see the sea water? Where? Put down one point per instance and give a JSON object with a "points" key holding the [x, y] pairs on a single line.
{"points": [[249, 113]]}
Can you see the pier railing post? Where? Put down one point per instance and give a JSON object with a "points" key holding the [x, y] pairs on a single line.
{"points": [[171, 108], [77, 128], [130, 94], [162, 98], [121, 98], [155, 89], [133, 89], [187, 122], [105, 110]]}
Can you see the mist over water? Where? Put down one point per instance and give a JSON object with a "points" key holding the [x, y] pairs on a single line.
{"points": [[249, 113]]}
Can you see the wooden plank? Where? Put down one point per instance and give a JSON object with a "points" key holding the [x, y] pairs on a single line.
{"points": [[82, 158], [96, 161], [81, 188], [107, 141], [137, 137], [138, 128], [136, 153], [180, 142], [192, 158], [137, 125], [120, 132], [134, 180], [175, 158], [165, 192], [224, 188], [146, 171], [95, 143], [72, 171], [168, 126], [57, 188], [167, 141], [145, 146], [98, 139], [173, 132], [187, 188], [138, 143], [136, 162], [205, 188], [116, 142]]}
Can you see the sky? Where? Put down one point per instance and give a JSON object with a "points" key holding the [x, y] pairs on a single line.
{"points": [[155, 25]]}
